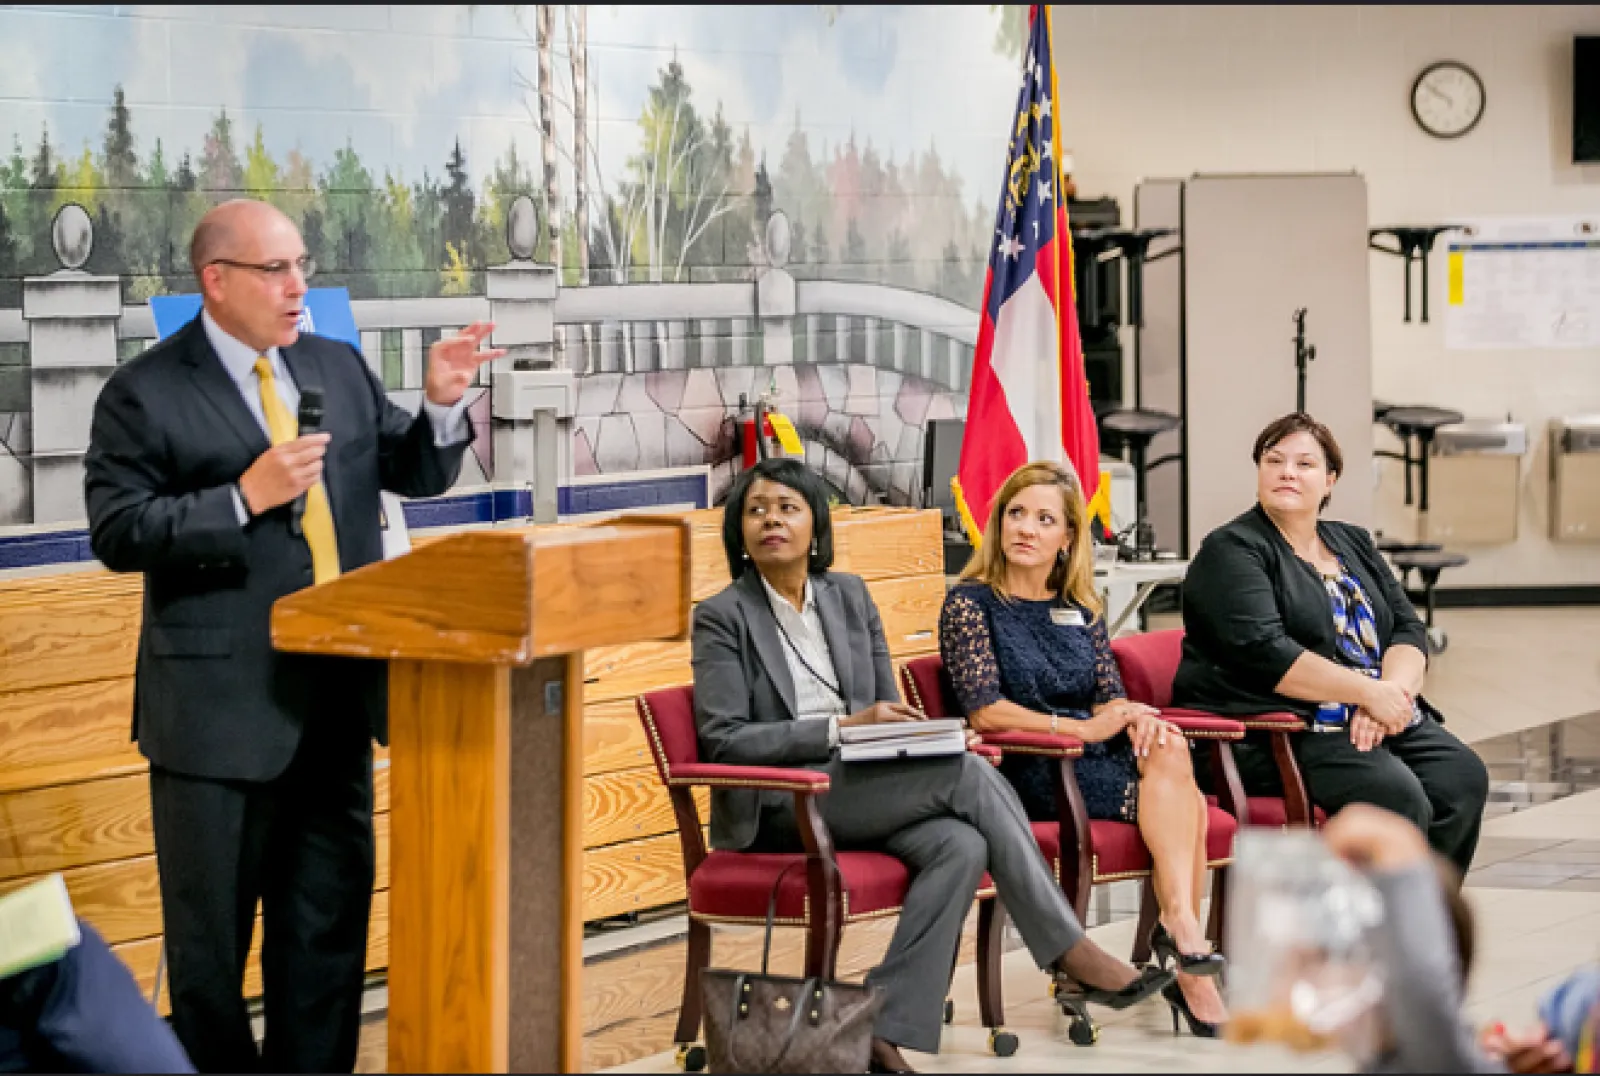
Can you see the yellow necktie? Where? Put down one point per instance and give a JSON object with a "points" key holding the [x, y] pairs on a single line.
{"points": [[317, 522]]}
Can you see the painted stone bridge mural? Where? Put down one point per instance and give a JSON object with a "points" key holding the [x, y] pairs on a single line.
{"points": [[862, 427]]}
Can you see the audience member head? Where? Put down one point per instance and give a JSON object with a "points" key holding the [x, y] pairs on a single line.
{"points": [[1463, 927], [252, 269], [1038, 521], [1376, 840], [777, 519], [1297, 463]]}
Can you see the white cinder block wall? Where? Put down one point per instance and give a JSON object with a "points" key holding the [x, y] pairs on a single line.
{"points": [[1170, 91]]}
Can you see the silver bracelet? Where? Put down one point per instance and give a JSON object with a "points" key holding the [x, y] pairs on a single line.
{"points": [[1054, 718]]}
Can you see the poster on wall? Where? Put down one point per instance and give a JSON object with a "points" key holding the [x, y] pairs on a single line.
{"points": [[1523, 282], [326, 312]]}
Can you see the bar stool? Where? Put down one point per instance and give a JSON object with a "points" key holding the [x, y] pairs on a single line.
{"points": [[1420, 422], [1133, 428], [1388, 546], [1428, 563]]}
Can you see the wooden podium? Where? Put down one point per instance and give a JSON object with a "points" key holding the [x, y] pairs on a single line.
{"points": [[484, 632]]}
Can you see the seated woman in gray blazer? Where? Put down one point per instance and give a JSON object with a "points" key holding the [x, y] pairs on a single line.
{"points": [[787, 655]]}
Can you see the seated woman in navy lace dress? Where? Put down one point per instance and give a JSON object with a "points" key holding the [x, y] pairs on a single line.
{"points": [[1025, 643]]}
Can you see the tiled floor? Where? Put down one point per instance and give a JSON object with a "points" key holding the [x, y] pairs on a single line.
{"points": [[1535, 887], [1509, 682]]}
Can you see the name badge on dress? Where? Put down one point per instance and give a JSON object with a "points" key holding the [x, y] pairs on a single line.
{"points": [[1066, 618]]}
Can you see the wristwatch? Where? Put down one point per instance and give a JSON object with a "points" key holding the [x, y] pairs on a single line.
{"points": [[244, 502]]}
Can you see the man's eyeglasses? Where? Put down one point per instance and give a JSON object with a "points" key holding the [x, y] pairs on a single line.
{"points": [[276, 271]]}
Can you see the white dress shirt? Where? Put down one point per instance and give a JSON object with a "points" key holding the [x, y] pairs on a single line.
{"points": [[239, 360], [802, 637]]}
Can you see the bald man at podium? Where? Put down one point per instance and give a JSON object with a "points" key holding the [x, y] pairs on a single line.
{"points": [[210, 472]]}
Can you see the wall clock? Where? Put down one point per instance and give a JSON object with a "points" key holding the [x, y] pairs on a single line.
{"points": [[1447, 99]]}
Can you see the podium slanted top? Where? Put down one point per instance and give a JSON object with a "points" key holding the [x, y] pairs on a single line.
{"points": [[503, 596]]}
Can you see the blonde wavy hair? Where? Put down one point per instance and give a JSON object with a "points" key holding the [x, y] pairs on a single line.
{"points": [[1072, 577]]}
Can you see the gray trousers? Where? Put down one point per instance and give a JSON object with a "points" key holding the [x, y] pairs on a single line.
{"points": [[948, 819]]}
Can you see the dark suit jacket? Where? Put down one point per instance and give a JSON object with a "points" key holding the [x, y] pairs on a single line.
{"points": [[744, 696], [170, 436], [1251, 607]]}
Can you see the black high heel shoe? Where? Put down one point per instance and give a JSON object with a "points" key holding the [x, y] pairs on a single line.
{"points": [[1166, 951], [1074, 998], [1200, 1029]]}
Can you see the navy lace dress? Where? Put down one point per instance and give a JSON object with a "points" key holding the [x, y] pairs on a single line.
{"points": [[997, 648]]}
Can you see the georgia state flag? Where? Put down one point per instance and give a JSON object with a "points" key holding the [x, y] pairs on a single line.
{"points": [[1029, 399]]}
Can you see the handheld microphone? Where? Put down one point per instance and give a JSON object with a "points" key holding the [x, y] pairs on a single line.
{"points": [[310, 411], [310, 417]]}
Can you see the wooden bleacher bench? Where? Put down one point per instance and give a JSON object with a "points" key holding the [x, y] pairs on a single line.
{"points": [[74, 791]]}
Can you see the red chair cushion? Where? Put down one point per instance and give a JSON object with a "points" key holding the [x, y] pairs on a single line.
{"points": [[1274, 811], [668, 718], [1148, 663], [738, 885], [1119, 850]]}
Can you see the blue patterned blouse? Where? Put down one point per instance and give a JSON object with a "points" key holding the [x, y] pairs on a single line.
{"points": [[1356, 638]]}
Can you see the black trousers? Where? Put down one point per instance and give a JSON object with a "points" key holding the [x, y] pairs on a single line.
{"points": [[1424, 774], [302, 845]]}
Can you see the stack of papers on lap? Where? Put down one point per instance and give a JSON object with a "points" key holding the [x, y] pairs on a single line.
{"points": [[37, 926], [902, 739]]}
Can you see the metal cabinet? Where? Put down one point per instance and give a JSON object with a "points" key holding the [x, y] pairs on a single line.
{"points": [[1475, 481], [1575, 479]]}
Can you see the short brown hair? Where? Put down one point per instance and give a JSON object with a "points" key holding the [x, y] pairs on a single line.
{"points": [[1299, 422]]}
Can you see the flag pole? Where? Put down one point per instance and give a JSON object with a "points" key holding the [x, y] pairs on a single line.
{"points": [[974, 535]]}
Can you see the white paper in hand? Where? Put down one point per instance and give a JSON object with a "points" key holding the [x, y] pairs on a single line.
{"points": [[392, 524], [37, 926]]}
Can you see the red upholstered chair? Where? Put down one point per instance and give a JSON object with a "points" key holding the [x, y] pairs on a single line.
{"points": [[1085, 852], [1150, 661], [735, 887]]}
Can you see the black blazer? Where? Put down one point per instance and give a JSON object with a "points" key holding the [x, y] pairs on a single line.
{"points": [[170, 436], [1251, 607], [744, 696]]}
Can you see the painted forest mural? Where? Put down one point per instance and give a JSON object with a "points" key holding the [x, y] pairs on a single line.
{"points": [[655, 144]]}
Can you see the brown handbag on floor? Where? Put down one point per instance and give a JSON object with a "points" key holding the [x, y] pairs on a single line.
{"points": [[774, 1023]]}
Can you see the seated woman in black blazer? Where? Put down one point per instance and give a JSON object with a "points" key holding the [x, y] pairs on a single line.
{"points": [[783, 658], [1023, 636], [1284, 611]]}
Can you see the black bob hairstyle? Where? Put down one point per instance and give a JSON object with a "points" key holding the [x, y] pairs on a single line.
{"points": [[798, 477]]}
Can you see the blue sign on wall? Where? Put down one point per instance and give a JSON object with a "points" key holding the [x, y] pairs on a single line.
{"points": [[326, 312]]}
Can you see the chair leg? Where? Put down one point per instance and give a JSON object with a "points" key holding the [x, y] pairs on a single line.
{"points": [[991, 947], [1217, 920], [1296, 799], [697, 957], [1149, 912]]}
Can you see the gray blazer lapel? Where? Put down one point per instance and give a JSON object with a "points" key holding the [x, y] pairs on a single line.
{"points": [[764, 631], [830, 607]]}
